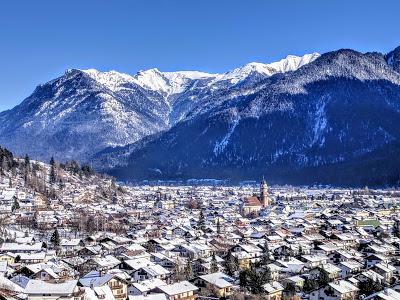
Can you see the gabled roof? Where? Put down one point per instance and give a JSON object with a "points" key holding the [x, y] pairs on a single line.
{"points": [[107, 261], [219, 279], [39, 287], [178, 288], [148, 285], [251, 201], [93, 279]]}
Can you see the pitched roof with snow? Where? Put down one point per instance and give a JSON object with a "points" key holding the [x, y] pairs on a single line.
{"points": [[178, 288], [219, 279], [38, 287]]}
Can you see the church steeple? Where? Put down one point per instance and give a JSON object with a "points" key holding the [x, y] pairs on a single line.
{"points": [[264, 197]]}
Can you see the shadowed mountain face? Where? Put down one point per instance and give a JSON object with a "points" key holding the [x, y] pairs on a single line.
{"points": [[320, 123]]}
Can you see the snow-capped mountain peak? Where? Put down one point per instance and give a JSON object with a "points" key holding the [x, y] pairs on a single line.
{"points": [[293, 62], [111, 79], [290, 63], [168, 82]]}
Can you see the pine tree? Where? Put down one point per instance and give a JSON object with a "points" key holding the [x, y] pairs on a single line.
{"points": [[214, 265], [324, 278], [257, 278], [52, 171], [243, 278], [309, 285], [15, 205], [265, 255], [231, 264], [188, 270], [266, 275], [202, 222], [396, 228], [369, 287], [290, 289], [55, 239], [300, 252], [27, 162]]}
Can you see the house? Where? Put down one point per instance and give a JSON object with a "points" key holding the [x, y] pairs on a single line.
{"points": [[180, 290], [290, 265], [149, 272], [374, 259], [313, 261], [159, 296], [102, 264], [370, 274], [21, 248], [145, 287], [349, 268], [8, 257], [295, 280], [275, 271], [338, 256], [341, 290], [70, 246], [253, 251], [385, 270], [118, 285], [99, 292], [49, 272], [165, 261], [273, 291], [218, 284], [142, 269], [41, 290], [243, 259], [31, 258], [386, 294], [89, 251]]}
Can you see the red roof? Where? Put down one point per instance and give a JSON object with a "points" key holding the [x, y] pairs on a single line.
{"points": [[252, 201]]}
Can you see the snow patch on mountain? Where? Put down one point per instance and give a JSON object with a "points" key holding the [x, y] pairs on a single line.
{"points": [[220, 146], [320, 124]]}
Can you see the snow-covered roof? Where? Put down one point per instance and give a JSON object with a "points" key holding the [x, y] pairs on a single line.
{"points": [[178, 288], [219, 279], [38, 287], [343, 287]]}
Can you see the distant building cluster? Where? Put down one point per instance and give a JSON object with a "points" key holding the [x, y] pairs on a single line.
{"points": [[93, 239]]}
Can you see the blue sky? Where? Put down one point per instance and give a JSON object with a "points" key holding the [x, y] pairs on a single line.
{"points": [[40, 39]]}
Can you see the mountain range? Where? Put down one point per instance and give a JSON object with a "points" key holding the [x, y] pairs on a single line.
{"points": [[330, 118]]}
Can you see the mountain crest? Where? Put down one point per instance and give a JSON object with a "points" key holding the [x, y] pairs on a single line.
{"points": [[393, 59]]}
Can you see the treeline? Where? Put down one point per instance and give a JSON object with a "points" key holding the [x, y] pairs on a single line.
{"points": [[39, 178], [7, 162]]}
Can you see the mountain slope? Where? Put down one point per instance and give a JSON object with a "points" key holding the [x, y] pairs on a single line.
{"points": [[335, 111], [76, 115], [85, 112]]}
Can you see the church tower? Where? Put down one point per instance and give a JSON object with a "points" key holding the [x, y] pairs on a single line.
{"points": [[264, 198]]}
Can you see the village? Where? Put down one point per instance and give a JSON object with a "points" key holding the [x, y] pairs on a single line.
{"points": [[87, 237]]}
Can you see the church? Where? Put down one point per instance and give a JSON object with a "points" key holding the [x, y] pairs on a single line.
{"points": [[254, 204]]}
